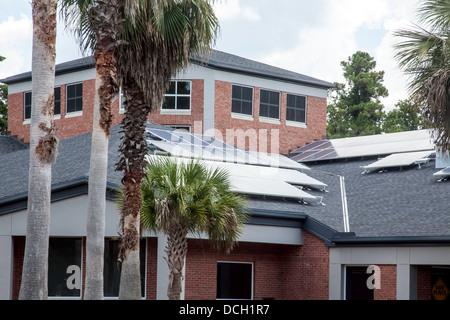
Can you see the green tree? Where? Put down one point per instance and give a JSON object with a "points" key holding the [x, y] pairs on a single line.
{"points": [[168, 34], [3, 106], [186, 197], [424, 55], [407, 116], [356, 108]]}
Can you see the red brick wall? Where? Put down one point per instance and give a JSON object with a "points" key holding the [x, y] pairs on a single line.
{"points": [[67, 126], [280, 272], [290, 138], [388, 290]]}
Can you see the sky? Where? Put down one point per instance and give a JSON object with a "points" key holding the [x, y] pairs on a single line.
{"points": [[308, 37]]}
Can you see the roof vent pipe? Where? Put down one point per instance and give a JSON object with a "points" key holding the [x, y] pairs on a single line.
{"points": [[344, 205]]}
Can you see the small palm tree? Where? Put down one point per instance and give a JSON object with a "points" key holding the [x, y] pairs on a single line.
{"points": [[179, 198], [424, 54]]}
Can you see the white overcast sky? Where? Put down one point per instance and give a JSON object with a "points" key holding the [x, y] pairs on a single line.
{"points": [[309, 37]]}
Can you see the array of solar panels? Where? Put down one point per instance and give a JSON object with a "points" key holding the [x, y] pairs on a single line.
{"points": [[251, 173], [366, 146], [400, 160]]}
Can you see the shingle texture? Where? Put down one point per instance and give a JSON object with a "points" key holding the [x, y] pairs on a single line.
{"points": [[394, 203]]}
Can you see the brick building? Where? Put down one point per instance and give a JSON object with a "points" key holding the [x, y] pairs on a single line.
{"points": [[257, 102]]}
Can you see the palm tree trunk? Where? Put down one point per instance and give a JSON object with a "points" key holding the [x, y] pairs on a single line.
{"points": [[176, 254], [43, 149], [107, 22], [133, 149], [97, 178]]}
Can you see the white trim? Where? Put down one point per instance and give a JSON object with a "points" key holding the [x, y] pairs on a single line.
{"points": [[253, 101], [296, 124], [241, 116], [279, 105], [176, 95], [269, 120], [75, 113]]}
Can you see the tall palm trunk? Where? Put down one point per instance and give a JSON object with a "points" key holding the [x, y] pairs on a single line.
{"points": [[43, 149], [133, 149], [176, 251], [107, 19]]}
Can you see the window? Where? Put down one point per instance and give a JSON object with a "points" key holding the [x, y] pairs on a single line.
{"points": [[242, 100], [64, 263], [28, 99], [111, 272], [178, 97], [74, 97], [27, 109], [57, 109], [356, 284], [234, 280], [186, 128], [269, 105], [296, 108]]}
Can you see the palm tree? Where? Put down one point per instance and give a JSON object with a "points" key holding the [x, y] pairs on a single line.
{"points": [[424, 55], [181, 197], [99, 26], [43, 151], [161, 41]]}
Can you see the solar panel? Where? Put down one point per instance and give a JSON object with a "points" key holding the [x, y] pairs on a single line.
{"points": [[445, 173], [365, 146], [264, 181], [400, 160], [189, 145]]}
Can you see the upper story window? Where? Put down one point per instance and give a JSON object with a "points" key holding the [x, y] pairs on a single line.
{"points": [[269, 105], [178, 97], [296, 108], [28, 99], [242, 100], [74, 97]]}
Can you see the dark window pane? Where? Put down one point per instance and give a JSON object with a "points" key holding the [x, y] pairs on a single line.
{"points": [[111, 270], [71, 106], [247, 108], [234, 281], [264, 98], [57, 109], [275, 98], [274, 112], [290, 101], [169, 103], [183, 103], [247, 94], [236, 106], [183, 87], [171, 88], [301, 117], [63, 253], [71, 91], [290, 114], [236, 92], [264, 110], [27, 106]]}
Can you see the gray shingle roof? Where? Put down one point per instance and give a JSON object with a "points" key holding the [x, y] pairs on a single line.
{"points": [[217, 59], [9, 144], [396, 203]]}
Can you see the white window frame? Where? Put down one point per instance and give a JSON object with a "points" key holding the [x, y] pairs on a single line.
{"points": [[239, 115], [176, 110], [269, 119], [252, 277], [26, 120], [74, 113], [293, 123]]}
